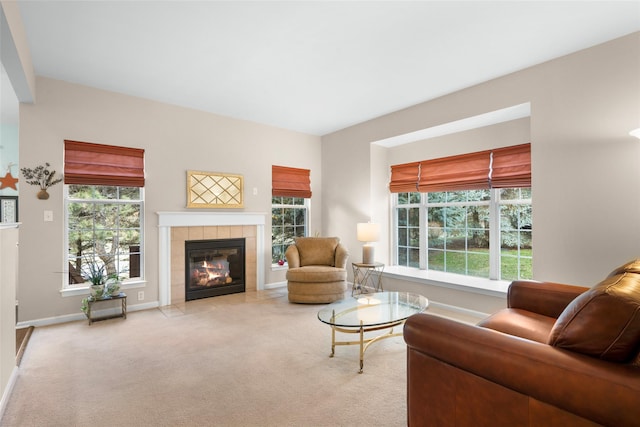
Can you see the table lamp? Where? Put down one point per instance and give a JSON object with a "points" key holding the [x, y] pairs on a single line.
{"points": [[368, 233]]}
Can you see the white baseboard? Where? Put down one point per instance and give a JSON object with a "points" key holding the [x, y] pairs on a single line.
{"points": [[6, 394], [80, 316], [275, 285], [460, 310]]}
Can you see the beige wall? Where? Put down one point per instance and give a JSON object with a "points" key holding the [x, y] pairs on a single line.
{"points": [[8, 280], [175, 140], [585, 174]]}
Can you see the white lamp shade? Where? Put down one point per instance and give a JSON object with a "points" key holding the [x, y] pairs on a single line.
{"points": [[368, 232], [635, 132]]}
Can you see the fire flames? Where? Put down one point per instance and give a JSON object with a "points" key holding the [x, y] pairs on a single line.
{"points": [[211, 273]]}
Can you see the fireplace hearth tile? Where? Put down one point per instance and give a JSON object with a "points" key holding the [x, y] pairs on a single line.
{"points": [[210, 232], [180, 234], [196, 233]]}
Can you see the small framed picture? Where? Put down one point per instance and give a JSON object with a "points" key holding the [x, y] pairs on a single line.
{"points": [[8, 208]]}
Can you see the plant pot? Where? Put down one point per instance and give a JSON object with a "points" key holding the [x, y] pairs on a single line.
{"points": [[43, 195], [97, 291], [113, 288]]}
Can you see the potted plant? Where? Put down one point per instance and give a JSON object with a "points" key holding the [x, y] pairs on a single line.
{"points": [[103, 284], [42, 177], [95, 274], [112, 285]]}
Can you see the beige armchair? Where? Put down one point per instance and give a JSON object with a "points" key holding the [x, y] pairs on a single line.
{"points": [[317, 270]]}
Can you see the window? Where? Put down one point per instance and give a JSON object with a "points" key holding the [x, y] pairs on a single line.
{"points": [[408, 229], [104, 224], [458, 232], [104, 210], [460, 228], [515, 233], [290, 199], [288, 221], [468, 214]]}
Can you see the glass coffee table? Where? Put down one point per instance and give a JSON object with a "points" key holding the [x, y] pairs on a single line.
{"points": [[370, 312]]}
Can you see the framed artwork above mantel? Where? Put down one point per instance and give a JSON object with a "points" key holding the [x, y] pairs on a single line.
{"points": [[214, 190]]}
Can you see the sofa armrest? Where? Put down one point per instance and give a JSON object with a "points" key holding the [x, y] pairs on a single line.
{"points": [[342, 254], [293, 256], [594, 389], [546, 298]]}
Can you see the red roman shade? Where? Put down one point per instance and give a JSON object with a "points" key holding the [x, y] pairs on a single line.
{"points": [[290, 182], [499, 168], [511, 167], [97, 164], [404, 178], [463, 172]]}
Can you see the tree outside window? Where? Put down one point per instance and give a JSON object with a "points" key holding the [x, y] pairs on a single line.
{"points": [[104, 227], [288, 221], [408, 220], [459, 231]]}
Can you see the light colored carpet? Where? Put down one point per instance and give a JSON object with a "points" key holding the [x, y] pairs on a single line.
{"points": [[248, 359]]}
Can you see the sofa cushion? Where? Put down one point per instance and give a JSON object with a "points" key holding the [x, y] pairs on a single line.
{"points": [[604, 322], [521, 323], [317, 250]]}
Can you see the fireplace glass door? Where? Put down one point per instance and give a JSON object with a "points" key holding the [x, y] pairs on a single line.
{"points": [[214, 267]]}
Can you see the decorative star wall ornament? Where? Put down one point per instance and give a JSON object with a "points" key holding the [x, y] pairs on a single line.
{"points": [[8, 181]]}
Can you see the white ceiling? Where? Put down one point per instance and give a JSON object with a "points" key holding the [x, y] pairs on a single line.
{"points": [[314, 67]]}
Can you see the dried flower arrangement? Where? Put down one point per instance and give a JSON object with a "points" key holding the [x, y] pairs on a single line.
{"points": [[41, 176]]}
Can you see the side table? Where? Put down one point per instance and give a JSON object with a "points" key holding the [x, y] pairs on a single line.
{"points": [[123, 310], [367, 276]]}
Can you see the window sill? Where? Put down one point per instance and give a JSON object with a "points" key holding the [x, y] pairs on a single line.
{"points": [[477, 285], [277, 267], [84, 290]]}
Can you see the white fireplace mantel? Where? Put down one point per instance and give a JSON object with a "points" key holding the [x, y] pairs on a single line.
{"points": [[167, 220]]}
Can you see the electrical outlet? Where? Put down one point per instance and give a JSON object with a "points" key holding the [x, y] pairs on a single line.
{"points": [[140, 295]]}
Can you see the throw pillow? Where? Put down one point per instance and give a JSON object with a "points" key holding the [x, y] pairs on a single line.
{"points": [[604, 322]]}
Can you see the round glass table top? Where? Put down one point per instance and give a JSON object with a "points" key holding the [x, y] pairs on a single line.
{"points": [[373, 309]]}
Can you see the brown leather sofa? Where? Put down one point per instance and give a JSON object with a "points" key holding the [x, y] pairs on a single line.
{"points": [[559, 355], [317, 270]]}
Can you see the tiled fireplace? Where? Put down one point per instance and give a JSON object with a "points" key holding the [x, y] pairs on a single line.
{"points": [[176, 228]]}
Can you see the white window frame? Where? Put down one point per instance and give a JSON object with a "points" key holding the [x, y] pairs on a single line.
{"points": [[494, 228], [497, 227], [80, 288], [307, 208], [394, 249]]}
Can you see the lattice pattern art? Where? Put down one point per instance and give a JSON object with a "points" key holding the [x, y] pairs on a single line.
{"points": [[214, 190]]}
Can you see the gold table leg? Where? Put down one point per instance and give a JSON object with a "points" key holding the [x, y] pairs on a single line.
{"points": [[333, 335], [362, 347], [362, 342]]}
